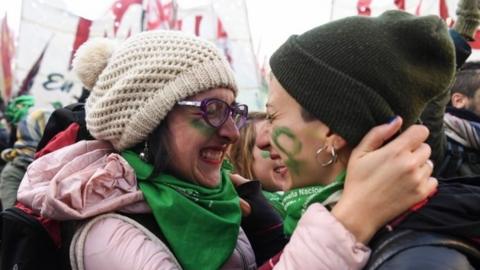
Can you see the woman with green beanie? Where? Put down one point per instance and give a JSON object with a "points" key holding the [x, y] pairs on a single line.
{"points": [[332, 84]]}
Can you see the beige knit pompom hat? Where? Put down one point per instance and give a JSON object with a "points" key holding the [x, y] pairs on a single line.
{"points": [[135, 84]]}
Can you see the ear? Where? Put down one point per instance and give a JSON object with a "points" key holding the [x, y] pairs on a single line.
{"points": [[336, 141], [459, 101]]}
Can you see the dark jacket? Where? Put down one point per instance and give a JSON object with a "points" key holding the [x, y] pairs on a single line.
{"points": [[451, 159], [445, 232]]}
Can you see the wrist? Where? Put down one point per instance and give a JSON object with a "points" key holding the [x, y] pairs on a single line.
{"points": [[360, 225]]}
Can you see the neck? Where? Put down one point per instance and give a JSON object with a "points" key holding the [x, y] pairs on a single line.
{"points": [[336, 168]]}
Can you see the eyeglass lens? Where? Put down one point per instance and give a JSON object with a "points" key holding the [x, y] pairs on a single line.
{"points": [[217, 112]]}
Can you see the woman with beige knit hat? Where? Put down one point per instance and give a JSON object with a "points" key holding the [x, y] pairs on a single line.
{"points": [[330, 86], [162, 110]]}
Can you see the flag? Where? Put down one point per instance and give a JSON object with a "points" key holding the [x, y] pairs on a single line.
{"points": [[7, 51], [32, 73], [363, 7], [46, 71]]}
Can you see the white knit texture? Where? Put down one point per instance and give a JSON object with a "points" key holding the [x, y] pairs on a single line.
{"points": [[144, 79]]}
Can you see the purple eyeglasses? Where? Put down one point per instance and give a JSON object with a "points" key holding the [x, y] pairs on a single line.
{"points": [[216, 112]]}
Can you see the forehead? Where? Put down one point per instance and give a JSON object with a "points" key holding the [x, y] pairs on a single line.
{"points": [[224, 94], [278, 97]]}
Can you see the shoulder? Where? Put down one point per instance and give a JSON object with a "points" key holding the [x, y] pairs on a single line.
{"points": [[113, 241]]}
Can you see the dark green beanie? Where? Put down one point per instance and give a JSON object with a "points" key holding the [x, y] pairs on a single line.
{"points": [[355, 73]]}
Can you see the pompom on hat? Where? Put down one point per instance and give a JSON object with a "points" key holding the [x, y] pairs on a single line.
{"points": [[355, 73], [136, 83]]}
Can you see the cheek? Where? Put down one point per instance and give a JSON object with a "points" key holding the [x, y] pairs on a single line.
{"points": [[262, 165], [198, 126], [289, 148], [184, 148], [285, 140]]}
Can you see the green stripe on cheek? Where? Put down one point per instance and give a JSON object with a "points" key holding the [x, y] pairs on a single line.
{"points": [[204, 128], [265, 154], [296, 146]]}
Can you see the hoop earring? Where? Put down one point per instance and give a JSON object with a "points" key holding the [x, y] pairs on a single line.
{"points": [[332, 160], [144, 154]]}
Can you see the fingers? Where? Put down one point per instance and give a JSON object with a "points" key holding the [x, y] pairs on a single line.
{"points": [[431, 186], [245, 207], [418, 165], [410, 139], [378, 135], [421, 155], [238, 180]]}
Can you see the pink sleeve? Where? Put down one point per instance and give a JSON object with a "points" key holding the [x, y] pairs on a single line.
{"points": [[116, 243], [321, 242]]}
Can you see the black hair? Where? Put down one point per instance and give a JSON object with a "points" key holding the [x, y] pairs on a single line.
{"points": [[158, 153], [467, 82]]}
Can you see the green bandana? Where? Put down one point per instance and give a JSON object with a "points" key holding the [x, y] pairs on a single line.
{"points": [[275, 199], [200, 224], [296, 201], [17, 108]]}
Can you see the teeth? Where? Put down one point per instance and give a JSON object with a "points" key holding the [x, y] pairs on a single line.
{"points": [[212, 154]]}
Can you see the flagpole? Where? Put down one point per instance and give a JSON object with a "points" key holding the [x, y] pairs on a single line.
{"points": [[332, 7], [257, 71], [143, 18]]}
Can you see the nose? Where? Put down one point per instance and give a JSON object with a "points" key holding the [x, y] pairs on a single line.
{"points": [[229, 131], [263, 136], [263, 140]]}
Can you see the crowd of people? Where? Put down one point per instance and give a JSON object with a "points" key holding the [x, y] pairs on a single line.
{"points": [[367, 156]]}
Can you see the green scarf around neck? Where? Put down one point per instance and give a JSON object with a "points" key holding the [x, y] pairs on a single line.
{"points": [[275, 199], [296, 201], [200, 224]]}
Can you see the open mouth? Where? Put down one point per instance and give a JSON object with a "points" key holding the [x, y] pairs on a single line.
{"points": [[282, 170], [212, 155]]}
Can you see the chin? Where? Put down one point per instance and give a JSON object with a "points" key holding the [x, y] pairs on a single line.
{"points": [[210, 183], [287, 185]]}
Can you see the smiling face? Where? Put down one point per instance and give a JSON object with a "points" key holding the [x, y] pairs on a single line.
{"points": [[271, 173], [295, 141], [197, 149]]}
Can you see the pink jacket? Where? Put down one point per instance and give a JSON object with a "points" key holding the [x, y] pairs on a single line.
{"points": [[87, 179], [80, 181], [321, 242]]}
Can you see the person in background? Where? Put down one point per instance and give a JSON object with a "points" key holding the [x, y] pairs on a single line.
{"points": [[465, 92], [451, 117], [29, 131], [461, 123], [24, 134], [253, 163]]}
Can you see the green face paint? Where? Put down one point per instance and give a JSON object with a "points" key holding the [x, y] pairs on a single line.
{"points": [[265, 154], [203, 127], [296, 146]]}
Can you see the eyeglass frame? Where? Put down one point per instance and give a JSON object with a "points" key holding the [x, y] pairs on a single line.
{"points": [[202, 105]]}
